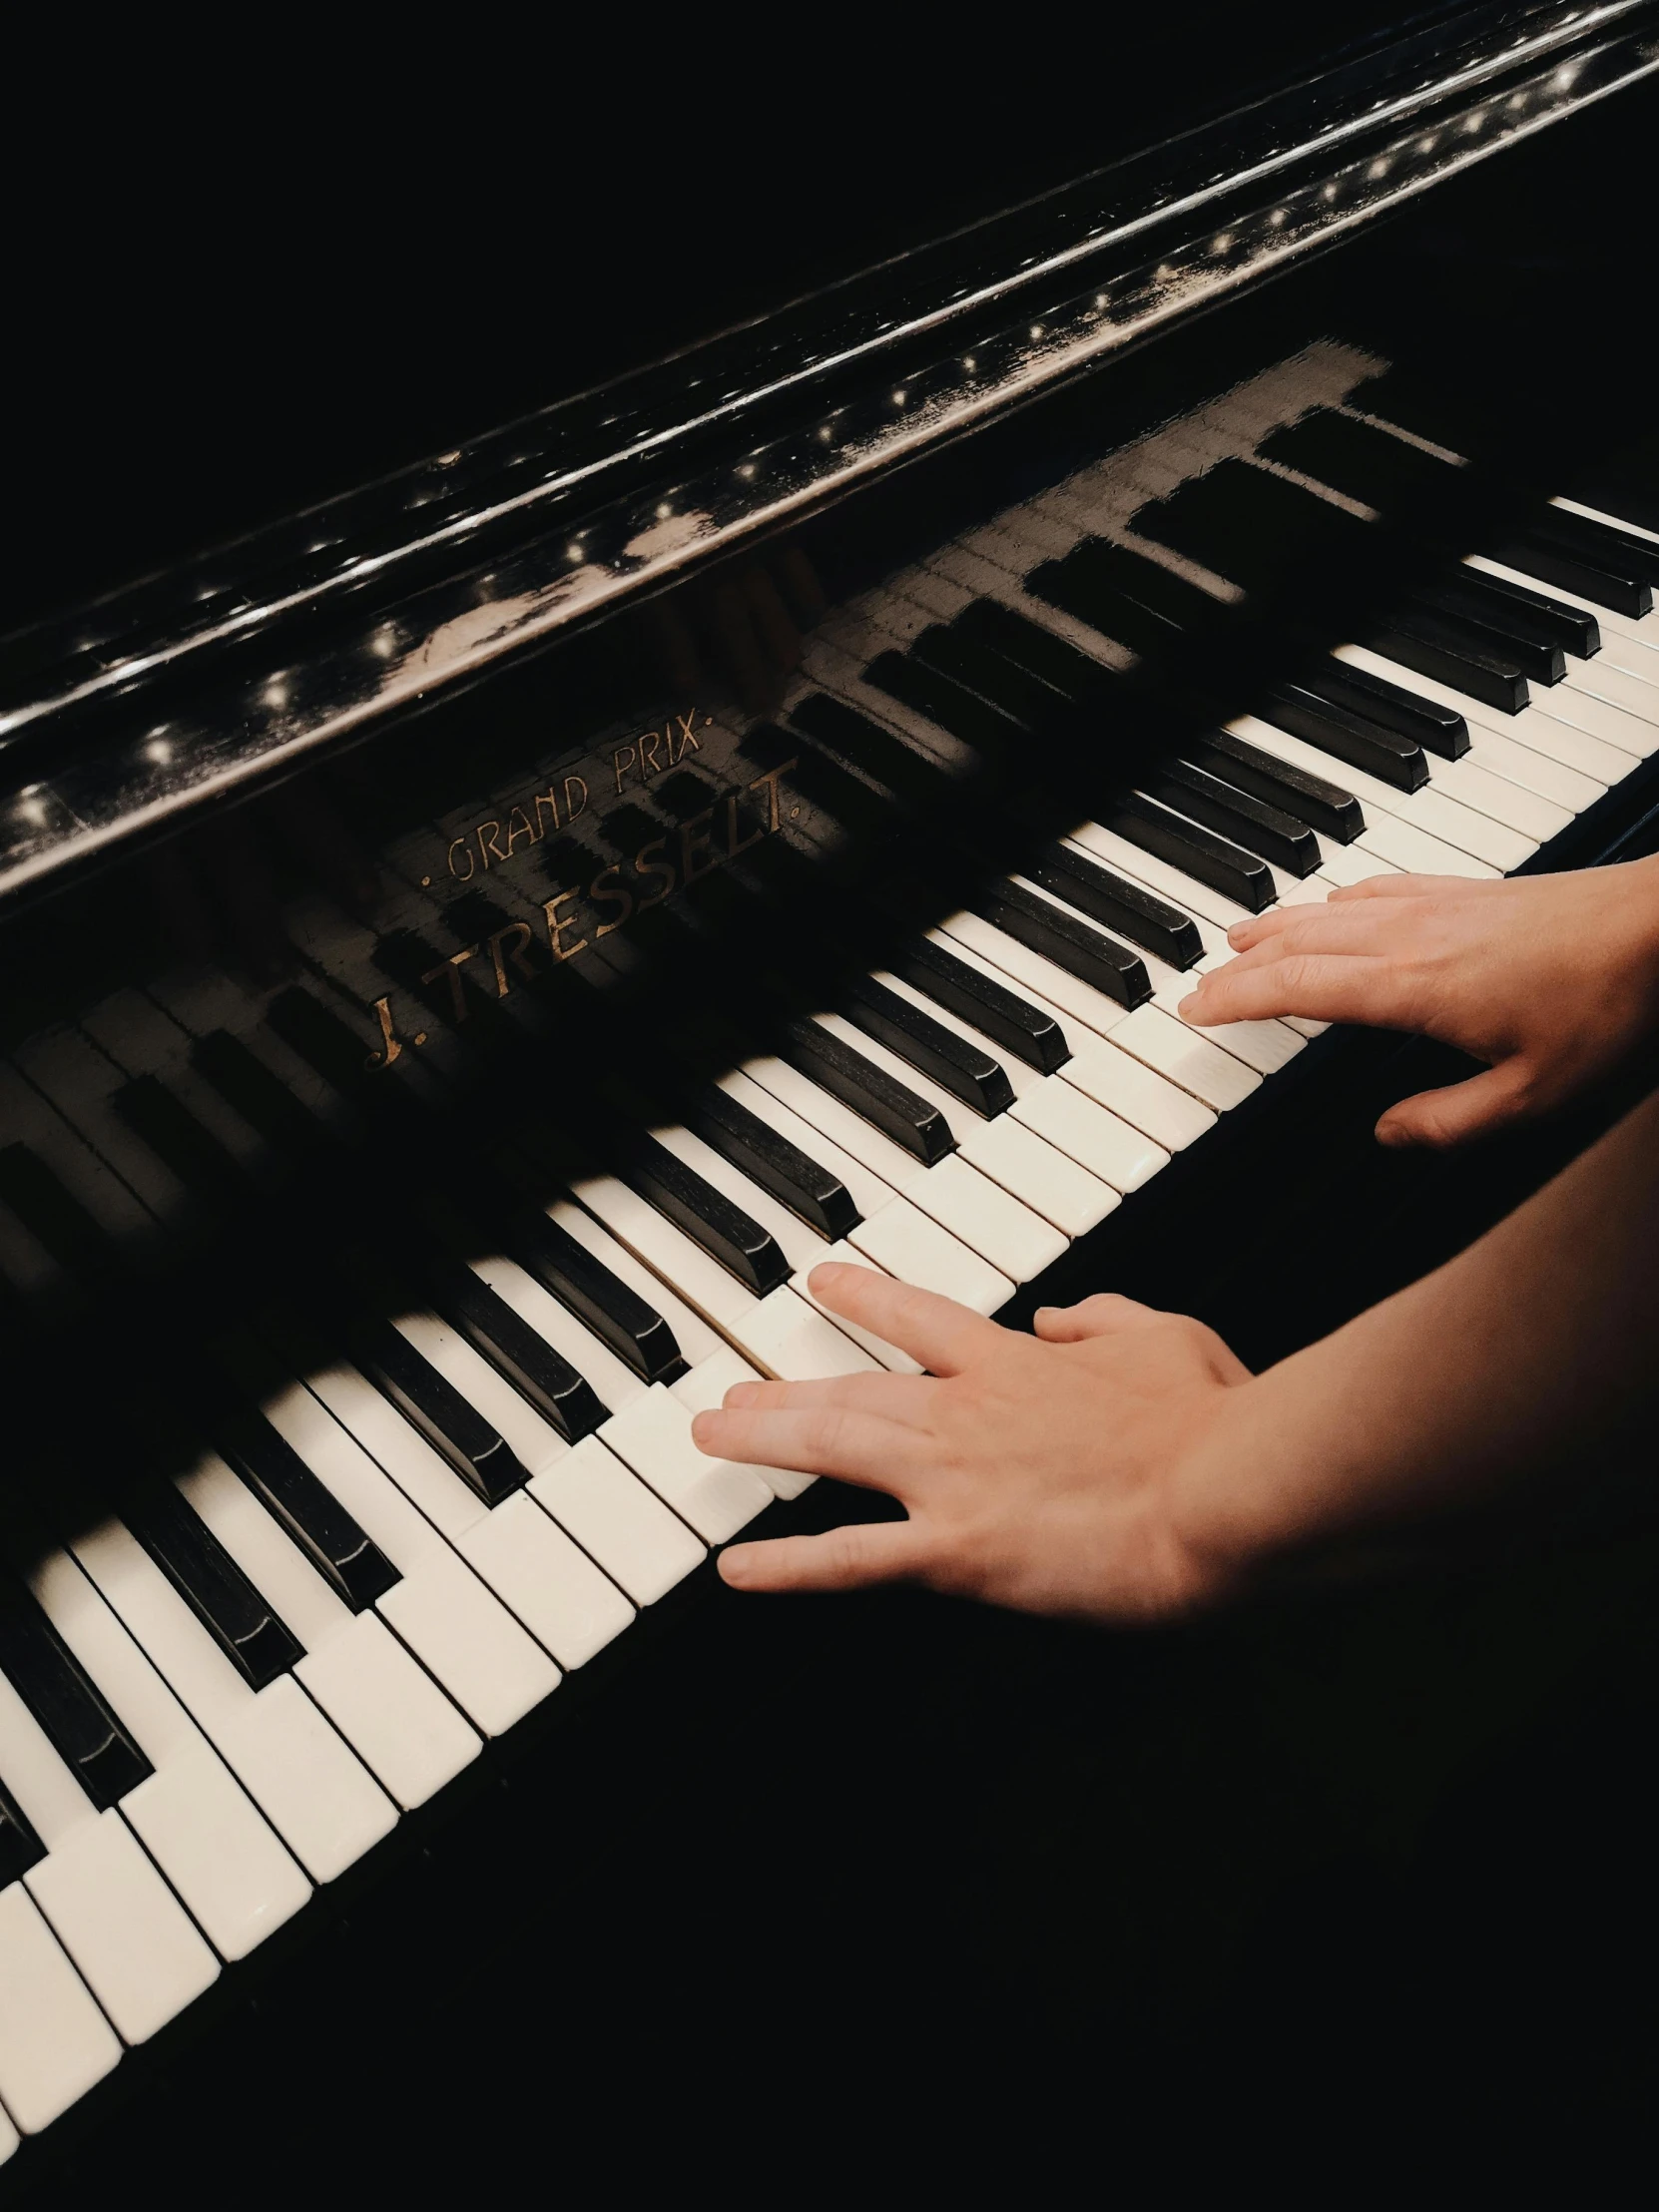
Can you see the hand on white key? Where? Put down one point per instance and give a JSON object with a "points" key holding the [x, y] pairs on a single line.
{"points": [[1550, 980], [1054, 1474]]}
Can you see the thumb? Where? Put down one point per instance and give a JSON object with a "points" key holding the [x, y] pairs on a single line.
{"points": [[1464, 1110]]}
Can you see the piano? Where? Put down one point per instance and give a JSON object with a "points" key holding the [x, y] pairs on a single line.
{"points": [[472, 948]]}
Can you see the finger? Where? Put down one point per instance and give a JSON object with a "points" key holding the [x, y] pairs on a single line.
{"points": [[1104, 1315], [1257, 929], [943, 1336], [1375, 927], [1318, 986], [1409, 887], [842, 1559], [908, 1399], [1440, 1119], [853, 1447]]}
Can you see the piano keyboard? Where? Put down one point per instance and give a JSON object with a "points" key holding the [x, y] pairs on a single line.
{"points": [[449, 1464]]}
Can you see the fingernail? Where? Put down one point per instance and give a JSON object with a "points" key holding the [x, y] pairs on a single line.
{"points": [[1189, 1007], [826, 1275], [702, 1428], [733, 1565], [1236, 930], [741, 1393]]}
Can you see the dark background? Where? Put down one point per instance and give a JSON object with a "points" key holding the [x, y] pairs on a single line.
{"points": [[248, 270]]}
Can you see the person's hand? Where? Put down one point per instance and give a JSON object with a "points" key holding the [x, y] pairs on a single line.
{"points": [[1550, 980], [1086, 1471]]}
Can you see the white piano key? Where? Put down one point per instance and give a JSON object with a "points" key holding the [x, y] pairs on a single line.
{"points": [[869, 1189], [1030, 972], [1537, 728], [1519, 760], [1418, 854], [1114, 1081], [653, 1437], [1352, 863], [613, 1381], [704, 1391], [531, 1439], [822, 1343], [464, 1635], [1185, 1058], [1113, 1143], [994, 1221], [54, 2041], [911, 1246], [1629, 630], [135, 1946], [1013, 1153], [389, 1711], [1599, 678], [318, 1795], [800, 1243], [1554, 704], [1391, 830], [1214, 912], [618, 1520], [130, 1940], [696, 1339], [1099, 1140], [1472, 783], [1601, 515], [567, 1604], [194, 1817]]}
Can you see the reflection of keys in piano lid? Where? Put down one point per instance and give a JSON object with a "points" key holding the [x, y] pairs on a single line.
{"points": [[376, 1504]]}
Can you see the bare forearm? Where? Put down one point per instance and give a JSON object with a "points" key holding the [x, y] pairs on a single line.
{"points": [[1540, 1338]]}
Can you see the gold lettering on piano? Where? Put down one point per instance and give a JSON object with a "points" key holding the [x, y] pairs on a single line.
{"points": [[577, 917], [655, 750], [526, 823], [451, 969]]}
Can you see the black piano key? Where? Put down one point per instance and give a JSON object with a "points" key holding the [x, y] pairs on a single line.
{"points": [[1322, 805], [1571, 628], [430, 1403], [1007, 1019], [20, 1846], [354, 1567], [616, 1314], [1065, 938], [963, 1069], [783, 1169], [257, 1642], [1601, 541], [1199, 852], [53, 1215], [927, 690], [49, 1679], [1338, 730], [1599, 573], [516, 1351], [707, 1216], [1512, 632], [1437, 729], [1252, 823], [1028, 645], [1107, 899], [921, 1129], [1451, 655]]}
